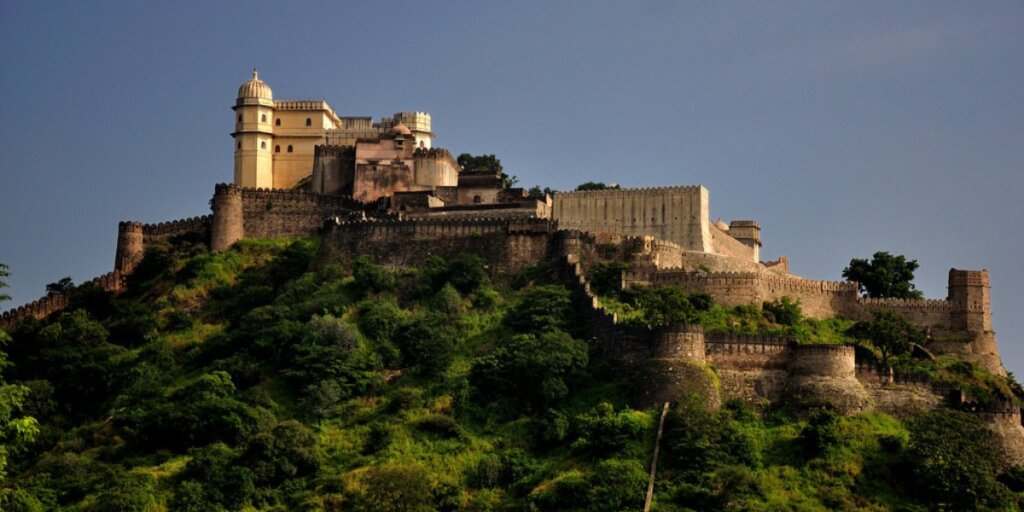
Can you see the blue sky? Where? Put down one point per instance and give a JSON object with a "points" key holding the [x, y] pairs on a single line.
{"points": [[844, 128]]}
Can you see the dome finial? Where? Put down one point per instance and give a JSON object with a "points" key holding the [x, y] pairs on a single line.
{"points": [[255, 76]]}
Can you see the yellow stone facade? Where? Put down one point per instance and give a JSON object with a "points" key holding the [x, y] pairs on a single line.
{"points": [[275, 140]]}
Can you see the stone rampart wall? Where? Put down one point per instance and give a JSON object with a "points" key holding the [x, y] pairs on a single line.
{"points": [[676, 214], [819, 299], [724, 244], [164, 230], [54, 302], [506, 245], [271, 213]]}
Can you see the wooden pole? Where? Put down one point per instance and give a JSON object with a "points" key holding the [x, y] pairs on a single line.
{"points": [[654, 459]]}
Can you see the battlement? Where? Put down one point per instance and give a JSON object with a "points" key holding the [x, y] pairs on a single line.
{"points": [[333, 150], [891, 303], [443, 226], [287, 196], [968, 277], [726, 338], [177, 227], [633, 192], [744, 224], [432, 153], [54, 302], [302, 105]]}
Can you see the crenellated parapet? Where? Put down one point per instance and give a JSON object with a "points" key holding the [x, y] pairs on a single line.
{"points": [[432, 154], [440, 227], [177, 227], [55, 302], [324, 150]]}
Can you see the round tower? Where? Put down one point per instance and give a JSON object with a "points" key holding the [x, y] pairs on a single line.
{"points": [[254, 134], [676, 369], [824, 376], [228, 218], [130, 246]]}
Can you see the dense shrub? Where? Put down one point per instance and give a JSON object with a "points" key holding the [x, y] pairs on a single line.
{"points": [[697, 438], [783, 311], [533, 371], [662, 305], [287, 451], [370, 277], [542, 309], [428, 343], [441, 425], [952, 457], [606, 278], [400, 487], [822, 432], [602, 430], [380, 318]]}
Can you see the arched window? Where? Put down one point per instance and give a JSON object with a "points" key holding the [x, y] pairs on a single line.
{"points": [[476, 199], [239, 145], [239, 118], [263, 118], [309, 122], [263, 145], [289, 148], [277, 122], [277, 149]]}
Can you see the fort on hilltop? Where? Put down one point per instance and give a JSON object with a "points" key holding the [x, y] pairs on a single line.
{"points": [[383, 188]]}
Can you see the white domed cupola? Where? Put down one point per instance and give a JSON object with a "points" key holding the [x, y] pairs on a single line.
{"points": [[255, 92]]}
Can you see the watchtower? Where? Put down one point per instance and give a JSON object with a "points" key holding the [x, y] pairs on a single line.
{"points": [[969, 297]]}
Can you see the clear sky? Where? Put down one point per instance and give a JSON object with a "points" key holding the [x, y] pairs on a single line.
{"points": [[844, 128]]}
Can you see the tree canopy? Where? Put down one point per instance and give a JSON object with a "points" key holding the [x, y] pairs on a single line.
{"points": [[597, 185], [491, 163], [886, 275], [890, 333]]}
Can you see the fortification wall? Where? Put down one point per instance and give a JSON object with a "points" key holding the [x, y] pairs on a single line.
{"points": [[675, 214], [333, 169], [269, 213], [819, 299], [901, 395], [54, 302], [750, 368], [724, 244], [435, 167], [507, 245], [824, 376], [170, 229]]}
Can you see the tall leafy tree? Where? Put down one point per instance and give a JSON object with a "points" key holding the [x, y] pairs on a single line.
{"points": [[886, 275], [491, 163], [890, 333], [16, 430]]}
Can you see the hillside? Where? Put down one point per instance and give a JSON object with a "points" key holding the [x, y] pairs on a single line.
{"points": [[278, 376]]}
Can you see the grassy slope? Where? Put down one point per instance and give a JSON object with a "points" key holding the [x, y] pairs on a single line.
{"points": [[195, 298]]}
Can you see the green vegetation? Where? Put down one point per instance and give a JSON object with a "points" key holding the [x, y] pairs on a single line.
{"points": [[596, 185], [490, 163], [885, 275], [261, 379]]}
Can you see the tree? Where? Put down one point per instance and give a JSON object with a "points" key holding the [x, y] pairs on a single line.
{"points": [[64, 285], [597, 185], [890, 333], [16, 431], [490, 163], [884, 276], [4, 272], [952, 457], [536, 371]]}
